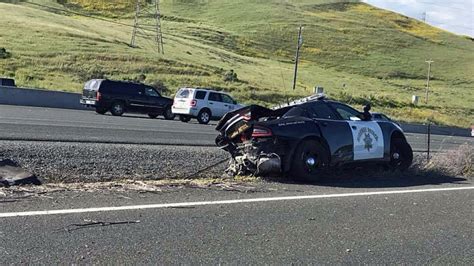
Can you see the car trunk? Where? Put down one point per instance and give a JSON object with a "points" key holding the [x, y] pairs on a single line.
{"points": [[91, 88], [252, 146], [241, 122], [183, 99]]}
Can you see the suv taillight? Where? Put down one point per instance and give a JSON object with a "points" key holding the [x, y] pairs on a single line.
{"points": [[98, 96], [261, 132], [193, 103]]}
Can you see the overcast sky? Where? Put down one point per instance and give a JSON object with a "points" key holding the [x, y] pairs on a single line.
{"points": [[452, 15]]}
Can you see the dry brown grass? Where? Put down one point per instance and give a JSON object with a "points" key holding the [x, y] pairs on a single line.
{"points": [[459, 162]]}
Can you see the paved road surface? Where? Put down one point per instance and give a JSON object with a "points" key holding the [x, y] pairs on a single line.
{"points": [[32, 123], [335, 226]]}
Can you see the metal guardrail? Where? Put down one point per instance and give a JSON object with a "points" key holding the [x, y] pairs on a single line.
{"points": [[40, 98]]}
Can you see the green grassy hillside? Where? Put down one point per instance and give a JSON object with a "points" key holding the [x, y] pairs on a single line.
{"points": [[355, 51]]}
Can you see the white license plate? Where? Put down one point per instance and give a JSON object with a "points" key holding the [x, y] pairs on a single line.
{"points": [[90, 102]]}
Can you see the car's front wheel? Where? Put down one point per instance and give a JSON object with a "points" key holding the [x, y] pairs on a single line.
{"points": [[168, 114], [309, 161], [117, 108], [401, 154], [204, 116]]}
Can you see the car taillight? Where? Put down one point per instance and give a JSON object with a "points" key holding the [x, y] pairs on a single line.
{"points": [[98, 96], [193, 103], [260, 132]]}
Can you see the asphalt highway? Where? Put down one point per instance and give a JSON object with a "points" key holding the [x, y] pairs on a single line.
{"points": [[356, 219], [46, 124], [394, 222]]}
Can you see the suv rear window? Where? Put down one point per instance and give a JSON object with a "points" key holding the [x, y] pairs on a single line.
{"points": [[183, 93], [200, 95]]}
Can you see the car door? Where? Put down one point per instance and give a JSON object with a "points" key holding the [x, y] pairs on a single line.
{"points": [[229, 103], [216, 105], [367, 136], [153, 101], [334, 130], [136, 95]]}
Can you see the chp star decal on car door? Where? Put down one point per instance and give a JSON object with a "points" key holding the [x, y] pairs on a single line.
{"points": [[368, 140]]}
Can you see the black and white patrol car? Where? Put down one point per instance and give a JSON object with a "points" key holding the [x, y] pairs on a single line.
{"points": [[305, 138]]}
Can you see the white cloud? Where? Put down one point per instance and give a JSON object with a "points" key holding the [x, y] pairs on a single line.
{"points": [[456, 16]]}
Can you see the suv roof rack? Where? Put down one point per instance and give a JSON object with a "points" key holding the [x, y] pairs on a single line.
{"points": [[314, 97]]}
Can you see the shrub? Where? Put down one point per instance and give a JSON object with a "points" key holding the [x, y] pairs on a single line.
{"points": [[4, 53], [230, 76], [458, 162], [161, 87]]}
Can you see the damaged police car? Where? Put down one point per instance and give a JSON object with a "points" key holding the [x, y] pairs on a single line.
{"points": [[307, 137]]}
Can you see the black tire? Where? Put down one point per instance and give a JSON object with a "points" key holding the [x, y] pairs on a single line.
{"points": [[101, 110], [204, 116], [168, 114], [184, 118], [401, 154], [153, 116], [301, 167], [117, 108]]}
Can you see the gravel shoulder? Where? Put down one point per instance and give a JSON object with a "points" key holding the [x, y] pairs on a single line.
{"points": [[86, 162]]}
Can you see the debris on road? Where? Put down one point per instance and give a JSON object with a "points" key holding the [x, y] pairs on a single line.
{"points": [[92, 223], [11, 174]]}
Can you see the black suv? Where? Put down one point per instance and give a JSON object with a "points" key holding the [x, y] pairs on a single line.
{"points": [[121, 96]]}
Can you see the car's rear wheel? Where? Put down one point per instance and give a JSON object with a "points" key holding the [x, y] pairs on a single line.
{"points": [[101, 110], [401, 154], [204, 116], [168, 114], [152, 116], [117, 109], [184, 118], [309, 161]]}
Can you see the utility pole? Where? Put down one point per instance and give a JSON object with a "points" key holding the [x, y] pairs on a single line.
{"points": [[146, 27], [297, 58], [428, 79], [423, 17]]}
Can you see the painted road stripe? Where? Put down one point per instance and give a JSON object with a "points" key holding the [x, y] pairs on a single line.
{"points": [[222, 202]]}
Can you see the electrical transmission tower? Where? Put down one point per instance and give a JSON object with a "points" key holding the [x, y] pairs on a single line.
{"points": [[148, 24]]}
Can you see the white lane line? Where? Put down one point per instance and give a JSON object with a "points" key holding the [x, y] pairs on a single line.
{"points": [[222, 202]]}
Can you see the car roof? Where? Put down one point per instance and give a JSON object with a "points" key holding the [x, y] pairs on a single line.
{"points": [[204, 89]]}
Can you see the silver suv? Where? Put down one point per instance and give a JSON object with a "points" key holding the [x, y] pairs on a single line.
{"points": [[203, 104]]}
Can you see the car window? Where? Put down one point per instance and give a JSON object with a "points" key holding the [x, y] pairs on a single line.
{"points": [[200, 95], [183, 93], [296, 111], [149, 91], [320, 110], [216, 97], [227, 99], [345, 111]]}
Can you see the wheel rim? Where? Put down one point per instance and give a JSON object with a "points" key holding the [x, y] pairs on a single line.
{"points": [[205, 117], [310, 160], [396, 157], [117, 108]]}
